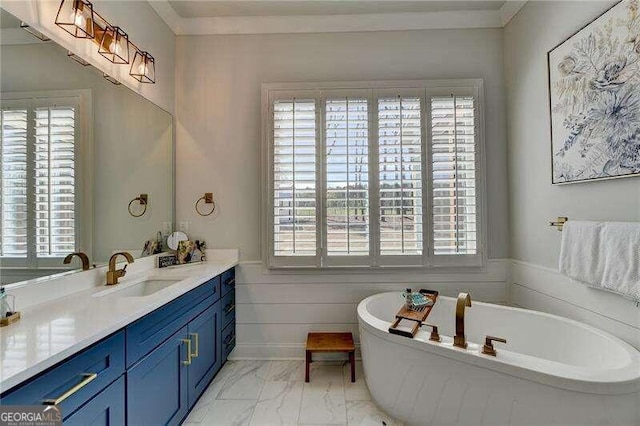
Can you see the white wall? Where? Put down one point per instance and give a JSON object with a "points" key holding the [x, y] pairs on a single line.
{"points": [[219, 150], [144, 27], [535, 30]]}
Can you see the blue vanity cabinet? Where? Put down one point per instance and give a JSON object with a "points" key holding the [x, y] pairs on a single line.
{"points": [[152, 372], [204, 331], [75, 380], [157, 391], [105, 409]]}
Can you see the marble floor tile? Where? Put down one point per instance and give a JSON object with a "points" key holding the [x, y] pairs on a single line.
{"points": [[279, 404], [358, 390], [286, 371], [228, 413], [323, 403], [366, 413], [218, 382], [245, 381], [324, 371]]}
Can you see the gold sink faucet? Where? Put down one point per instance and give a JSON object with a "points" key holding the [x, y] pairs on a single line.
{"points": [[83, 257], [459, 339], [113, 274]]}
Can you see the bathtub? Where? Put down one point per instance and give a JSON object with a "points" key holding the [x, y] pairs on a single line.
{"points": [[552, 371]]}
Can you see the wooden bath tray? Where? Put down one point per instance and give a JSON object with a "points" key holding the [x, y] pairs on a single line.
{"points": [[417, 317]]}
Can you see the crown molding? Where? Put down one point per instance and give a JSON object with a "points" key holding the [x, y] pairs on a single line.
{"points": [[334, 23], [510, 9]]}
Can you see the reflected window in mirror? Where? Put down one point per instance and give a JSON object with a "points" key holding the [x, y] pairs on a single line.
{"points": [[39, 141]]}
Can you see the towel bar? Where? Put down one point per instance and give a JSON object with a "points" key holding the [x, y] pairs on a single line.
{"points": [[559, 222]]}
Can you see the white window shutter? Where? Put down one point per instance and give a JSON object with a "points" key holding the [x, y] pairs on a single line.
{"points": [[454, 203], [294, 177], [55, 181], [13, 176], [347, 176], [400, 175]]}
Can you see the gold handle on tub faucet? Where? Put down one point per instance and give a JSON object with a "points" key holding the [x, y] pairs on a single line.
{"points": [[434, 337], [488, 348]]}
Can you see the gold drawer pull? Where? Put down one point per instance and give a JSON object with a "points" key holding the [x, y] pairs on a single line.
{"points": [[230, 307], [188, 360], [88, 378], [197, 345], [230, 281]]}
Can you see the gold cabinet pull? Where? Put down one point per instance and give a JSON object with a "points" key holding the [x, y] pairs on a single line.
{"points": [[230, 307], [197, 345], [188, 343], [87, 378]]}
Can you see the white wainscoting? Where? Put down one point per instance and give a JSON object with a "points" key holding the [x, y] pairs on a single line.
{"points": [[276, 310], [545, 289]]}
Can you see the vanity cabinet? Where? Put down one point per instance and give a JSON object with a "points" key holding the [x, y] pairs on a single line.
{"points": [[105, 409], [157, 385], [152, 372], [204, 332], [78, 379]]}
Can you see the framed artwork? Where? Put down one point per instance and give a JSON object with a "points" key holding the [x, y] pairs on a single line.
{"points": [[594, 96]]}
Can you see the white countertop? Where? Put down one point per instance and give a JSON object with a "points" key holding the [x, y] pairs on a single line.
{"points": [[51, 331]]}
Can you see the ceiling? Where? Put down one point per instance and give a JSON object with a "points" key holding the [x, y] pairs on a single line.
{"points": [[188, 17], [225, 8]]}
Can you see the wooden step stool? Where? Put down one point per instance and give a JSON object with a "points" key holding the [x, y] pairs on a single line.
{"points": [[330, 342]]}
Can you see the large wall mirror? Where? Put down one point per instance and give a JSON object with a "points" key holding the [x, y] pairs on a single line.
{"points": [[76, 151]]}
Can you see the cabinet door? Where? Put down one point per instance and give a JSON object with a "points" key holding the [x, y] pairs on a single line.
{"points": [[157, 385], [105, 409], [204, 332]]}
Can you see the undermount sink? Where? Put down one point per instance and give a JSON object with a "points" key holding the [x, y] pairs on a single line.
{"points": [[140, 289]]}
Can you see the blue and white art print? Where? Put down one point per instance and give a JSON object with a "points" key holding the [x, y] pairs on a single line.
{"points": [[594, 85]]}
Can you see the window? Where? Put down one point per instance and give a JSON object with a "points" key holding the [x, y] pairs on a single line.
{"points": [[373, 174], [39, 140]]}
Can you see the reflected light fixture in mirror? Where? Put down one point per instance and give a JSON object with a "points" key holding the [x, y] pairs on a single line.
{"points": [[143, 67], [37, 34], [77, 58], [114, 45], [76, 18], [111, 79]]}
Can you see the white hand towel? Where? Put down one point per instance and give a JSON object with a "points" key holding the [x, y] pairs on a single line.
{"points": [[604, 255]]}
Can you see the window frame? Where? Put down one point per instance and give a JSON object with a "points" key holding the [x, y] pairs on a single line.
{"points": [[373, 91], [83, 141]]}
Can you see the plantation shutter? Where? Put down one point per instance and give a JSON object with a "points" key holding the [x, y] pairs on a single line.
{"points": [[346, 147], [294, 177], [453, 145], [55, 180], [400, 175], [13, 177]]}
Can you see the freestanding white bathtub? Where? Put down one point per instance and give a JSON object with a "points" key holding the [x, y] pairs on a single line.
{"points": [[552, 371]]}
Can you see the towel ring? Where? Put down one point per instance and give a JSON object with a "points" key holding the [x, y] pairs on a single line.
{"points": [[208, 199], [143, 200]]}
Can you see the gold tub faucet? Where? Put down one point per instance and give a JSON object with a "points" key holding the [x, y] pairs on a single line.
{"points": [[83, 257], [459, 339], [113, 274]]}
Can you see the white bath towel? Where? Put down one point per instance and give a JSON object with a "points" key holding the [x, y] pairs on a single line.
{"points": [[604, 255]]}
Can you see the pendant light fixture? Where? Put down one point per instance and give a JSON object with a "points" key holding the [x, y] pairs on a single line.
{"points": [[143, 67], [114, 45], [76, 18]]}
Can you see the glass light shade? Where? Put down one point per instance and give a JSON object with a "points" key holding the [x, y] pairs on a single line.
{"points": [[76, 18], [143, 67], [114, 45]]}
